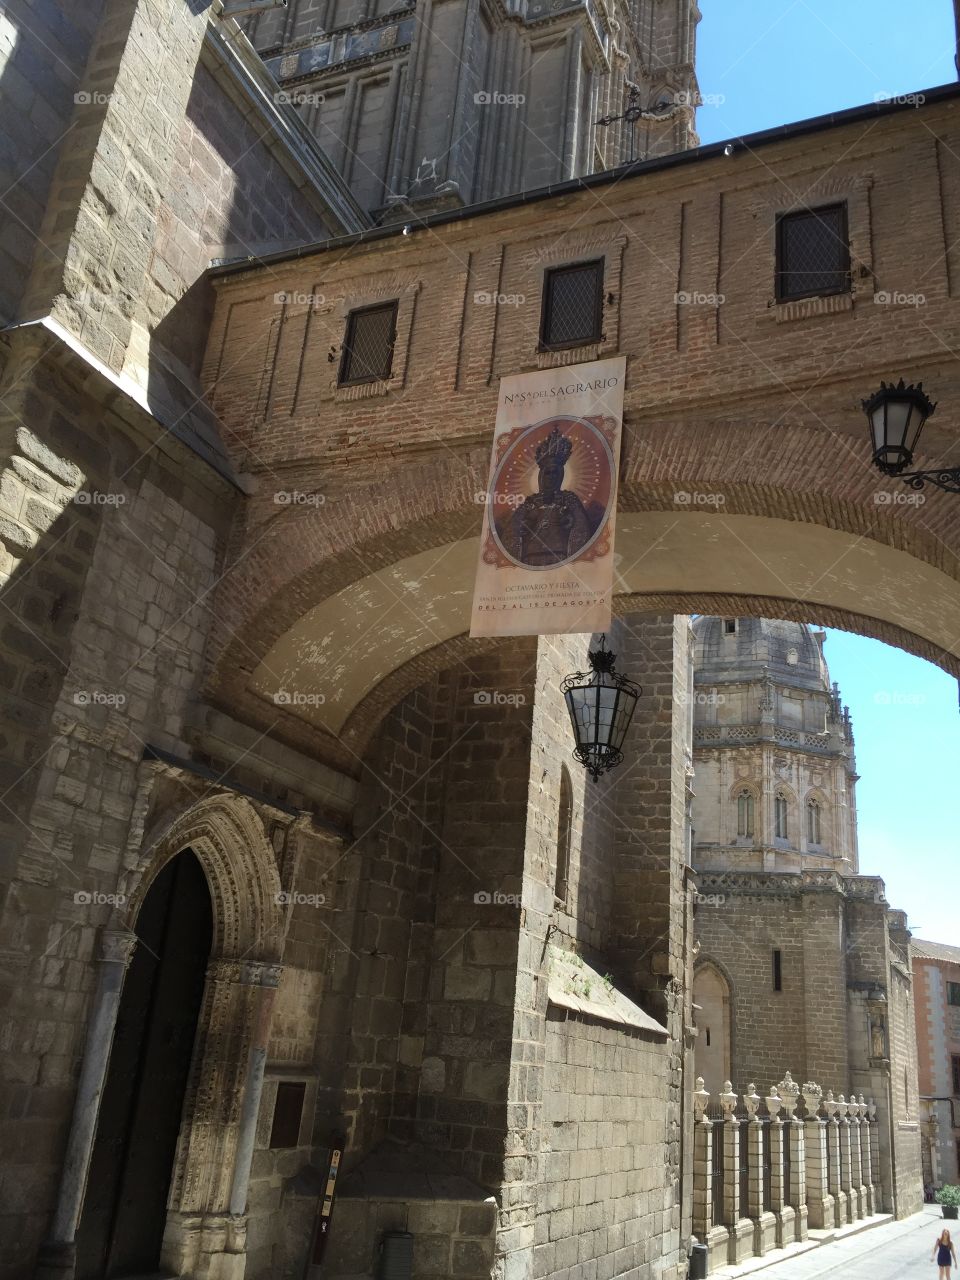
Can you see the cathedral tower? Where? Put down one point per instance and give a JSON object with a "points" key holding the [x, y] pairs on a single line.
{"points": [[773, 751], [433, 104]]}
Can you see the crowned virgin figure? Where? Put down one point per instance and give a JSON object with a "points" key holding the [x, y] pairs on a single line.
{"points": [[552, 524]]}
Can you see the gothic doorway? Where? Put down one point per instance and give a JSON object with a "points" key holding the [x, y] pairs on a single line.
{"points": [[711, 997], [124, 1211]]}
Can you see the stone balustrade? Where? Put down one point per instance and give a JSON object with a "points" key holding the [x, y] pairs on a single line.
{"points": [[768, 1170]]}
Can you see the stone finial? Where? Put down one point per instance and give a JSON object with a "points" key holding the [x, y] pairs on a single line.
{"points": [[829, 1104], [728, 1100], [701, 1097], [789, 1092], [751, 1100], [843, 1107], [812, 1095], [774, 1102], [872, 1109], [854, 1107]]}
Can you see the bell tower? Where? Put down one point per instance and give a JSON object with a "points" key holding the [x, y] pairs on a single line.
{"points": [[432, 104], [774, 765]]}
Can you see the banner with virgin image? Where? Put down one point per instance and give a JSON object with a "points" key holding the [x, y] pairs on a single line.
{"points": [[546, 548]]}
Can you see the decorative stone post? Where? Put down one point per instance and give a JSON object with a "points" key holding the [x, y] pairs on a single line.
{"points": [[710, 1233], [764, 1223], [795, 1193], [858, 1193], [774, 1107], [740, 1229], [865, 1159], [57, 1259], [831, 1109], [846, 1161], [820, 1203], [875, 1156]]}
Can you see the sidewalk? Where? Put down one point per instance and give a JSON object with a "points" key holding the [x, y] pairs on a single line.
{"points": [[875, 1249]]}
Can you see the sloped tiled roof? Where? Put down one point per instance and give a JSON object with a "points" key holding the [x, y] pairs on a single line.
{"points": [[934, 951]]}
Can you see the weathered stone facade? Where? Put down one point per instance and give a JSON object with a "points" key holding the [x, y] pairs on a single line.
{"points": [[936, 976], [395, 964], [438, 105], [800, 959]]}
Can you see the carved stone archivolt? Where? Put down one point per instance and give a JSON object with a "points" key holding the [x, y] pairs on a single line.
{"points": [[229, 839]]}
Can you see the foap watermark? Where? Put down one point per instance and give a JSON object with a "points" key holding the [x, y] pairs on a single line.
{"points": [[497, 698], [498, 499], [899, 498], [296, 299], [299, 98], [297, 498], [494, 98], [91, 98], [898, 698], [494, 898], [709, 899], [94, 898], [98, 698], [292, 898], [694, 298], [685, 98], [296, 698], [95, 498], [702, 698], [902, 99], [888, 298], [683, 498], [483, 299]]}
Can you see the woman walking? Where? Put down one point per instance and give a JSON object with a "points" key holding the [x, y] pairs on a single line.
{"points": [[943, 1251]]}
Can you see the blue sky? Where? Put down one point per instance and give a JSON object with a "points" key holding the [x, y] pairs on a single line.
{"points": [[768, 62], [907, 731], [775, 61]]}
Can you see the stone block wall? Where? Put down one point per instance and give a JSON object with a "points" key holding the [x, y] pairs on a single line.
{"points": [[606, 1094]]}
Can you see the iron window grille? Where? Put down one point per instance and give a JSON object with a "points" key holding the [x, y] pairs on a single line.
{"points": [[571, 314], [368, 345], [813, 253]]}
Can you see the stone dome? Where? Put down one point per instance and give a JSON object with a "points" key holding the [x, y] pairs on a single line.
{"points": [[748, 649]]}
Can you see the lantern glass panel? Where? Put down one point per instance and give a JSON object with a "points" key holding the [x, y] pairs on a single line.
{"points": [[878, 424], [897, 422]]}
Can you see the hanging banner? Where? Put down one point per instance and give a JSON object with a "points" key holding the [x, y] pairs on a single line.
{"points": [[546, 549]]}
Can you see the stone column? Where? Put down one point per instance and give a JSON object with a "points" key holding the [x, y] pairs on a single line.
{"points": [[795, 1195], [866, 1163], [820, 1203], [846, 1160], [831, 1109], [764, 1223], [858, 1197], [875, 1157], [57, 1260], [267, 978], [708, 1232], [739, 1227]]}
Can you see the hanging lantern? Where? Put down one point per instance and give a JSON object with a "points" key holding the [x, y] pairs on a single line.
{"points": [[896, 415], [601, 705]]}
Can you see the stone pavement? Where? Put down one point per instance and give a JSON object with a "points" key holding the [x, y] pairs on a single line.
{"points": [[892, 1251]]}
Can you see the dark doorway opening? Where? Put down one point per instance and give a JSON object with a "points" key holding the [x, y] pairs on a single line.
{"points": [[124, 1210]]}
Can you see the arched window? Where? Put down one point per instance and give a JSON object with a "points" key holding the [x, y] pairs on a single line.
{"points": [[745, 813], [813, 821], [564, 830], [780, 816]]}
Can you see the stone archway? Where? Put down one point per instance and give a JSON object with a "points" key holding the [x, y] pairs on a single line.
{"points": [[205, 1233], [711, 993]]}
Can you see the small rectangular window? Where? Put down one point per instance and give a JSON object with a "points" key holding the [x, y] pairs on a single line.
{"points": [[778, 970], [953, 993], [729, 626], [572, 311], [287, 1114], [955, 1062], [813, 254], [368, 345]]}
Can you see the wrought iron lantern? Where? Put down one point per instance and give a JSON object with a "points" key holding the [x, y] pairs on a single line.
{"points": [[601, 703], [896, 415]]}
